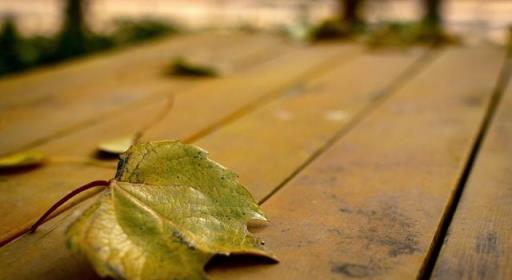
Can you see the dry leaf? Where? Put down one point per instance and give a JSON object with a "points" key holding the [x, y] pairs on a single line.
{"points": [[166, 213], [116, 146], [22, 159], [182, 67]]}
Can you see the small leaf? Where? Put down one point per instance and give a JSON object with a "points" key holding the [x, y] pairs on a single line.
{"points": [[22, 159], [166, 213], [116, 146], [182, 67]]}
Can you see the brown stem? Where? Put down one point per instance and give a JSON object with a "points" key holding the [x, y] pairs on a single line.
{"points": [[63, 200]]}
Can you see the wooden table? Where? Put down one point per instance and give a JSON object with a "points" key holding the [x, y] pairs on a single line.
{"points": [[370, 164]]}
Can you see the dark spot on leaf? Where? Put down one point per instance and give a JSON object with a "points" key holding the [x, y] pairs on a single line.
{"points": [[120, 167], [182, 239]]}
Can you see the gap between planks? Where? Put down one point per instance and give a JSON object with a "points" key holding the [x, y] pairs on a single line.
{"points": [[442, 230], [275, 93], [360, 189], [366, 93], [155, 89], [381, 97]]}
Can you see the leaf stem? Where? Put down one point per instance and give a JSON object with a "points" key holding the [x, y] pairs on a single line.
{"points": [[97, 183]]}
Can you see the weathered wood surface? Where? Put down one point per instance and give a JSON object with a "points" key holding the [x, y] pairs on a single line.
{"points": [[208, 104], [479, 240], [47, 107], [354, 155], [268, 145], [369, 207], [333, 111]]}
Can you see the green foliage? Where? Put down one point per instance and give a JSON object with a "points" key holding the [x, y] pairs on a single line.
{"points": [[39, 50], [428, 31], [400, 34], [181, 67], [130, 31], [166, 213], [349, 23], [333, 29], [74, 40]]}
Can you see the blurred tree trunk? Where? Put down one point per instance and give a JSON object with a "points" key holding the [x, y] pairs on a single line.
{"points": [[10, 43], [72, 39], [351, 12], [432, 19]]}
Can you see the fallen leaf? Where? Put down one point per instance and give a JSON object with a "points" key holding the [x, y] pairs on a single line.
{"points": [[166, 213], [182, 67], [116, 146], [22, 159]]}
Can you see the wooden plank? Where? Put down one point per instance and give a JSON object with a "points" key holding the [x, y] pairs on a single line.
{"points": [[50, 115], [268, 145], [267, 129], [49, 259], [81, 72], [479, 240], [369, 207], [231, 97], [69, 76]]}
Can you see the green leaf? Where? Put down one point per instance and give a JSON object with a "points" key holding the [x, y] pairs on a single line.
{"points": [[166, 213], [22, 159]]}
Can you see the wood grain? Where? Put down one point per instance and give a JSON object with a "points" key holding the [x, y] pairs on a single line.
{"points": [[369, 206], [268, 145], [272, 140], [28, 121], [65, 77], [479, 241], [195, 111]]}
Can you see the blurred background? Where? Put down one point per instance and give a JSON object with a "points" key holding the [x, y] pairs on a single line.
{"points": [[40, 32]]}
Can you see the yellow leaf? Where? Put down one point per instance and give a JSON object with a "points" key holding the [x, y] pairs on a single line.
{"points": [[166, 213], [116, 146], [22, 159]]}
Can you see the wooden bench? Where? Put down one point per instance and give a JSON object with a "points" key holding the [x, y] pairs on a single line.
{"points": [[366, 162]]}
